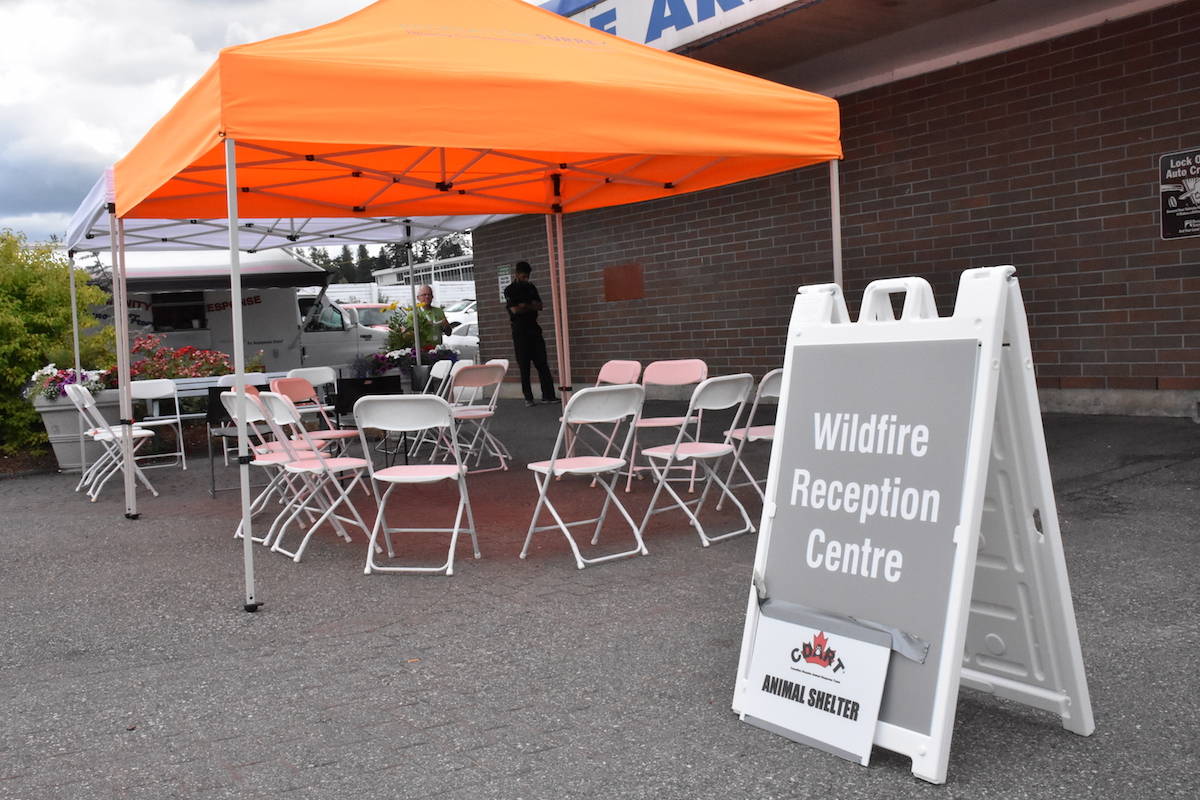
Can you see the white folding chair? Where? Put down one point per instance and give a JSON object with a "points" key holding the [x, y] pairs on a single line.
{"points": [[598, 405], [437, 376], [110, 438], [306, 400], [473, 420], [678, 372], [403, 414], [443, 391], [228, 441], [152, 392], [269, 454], [771, 385], [322, 490], [713, 394], [613, 373]]}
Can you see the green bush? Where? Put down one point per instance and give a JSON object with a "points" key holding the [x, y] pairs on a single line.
{"points": [[35, 329]]}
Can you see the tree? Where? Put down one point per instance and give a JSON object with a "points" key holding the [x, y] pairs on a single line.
{"points": [[35, 329], [344, 265], [364, 263]]}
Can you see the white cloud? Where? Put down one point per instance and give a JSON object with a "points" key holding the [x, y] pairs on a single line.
{"points": [[81, 81]]}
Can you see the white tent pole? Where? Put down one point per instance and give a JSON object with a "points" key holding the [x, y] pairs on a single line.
{"points": [[239, 369], [124, 390], [835, 218], [412, 290], [564, 375], [75, 344]]}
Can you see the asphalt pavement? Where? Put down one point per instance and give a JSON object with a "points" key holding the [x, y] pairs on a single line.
{"points": [[128, 668]]}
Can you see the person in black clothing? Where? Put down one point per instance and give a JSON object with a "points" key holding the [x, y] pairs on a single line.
{"points": [[523, 302]]}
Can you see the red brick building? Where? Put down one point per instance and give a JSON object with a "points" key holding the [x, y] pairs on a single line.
{"points": [[1043, 155]]}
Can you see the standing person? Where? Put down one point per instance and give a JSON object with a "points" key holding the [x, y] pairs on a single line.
{"points": [[523, 302], [431, 322]]}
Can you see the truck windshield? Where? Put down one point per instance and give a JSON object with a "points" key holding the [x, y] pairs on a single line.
{"points": [[374, 316]]}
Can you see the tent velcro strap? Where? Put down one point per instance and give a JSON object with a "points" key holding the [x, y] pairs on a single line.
{"points": [[246, 459], [443, 186], [127, 422], [566, 389]]}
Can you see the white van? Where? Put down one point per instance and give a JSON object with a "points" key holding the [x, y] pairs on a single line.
{"points": [[178, 296]]}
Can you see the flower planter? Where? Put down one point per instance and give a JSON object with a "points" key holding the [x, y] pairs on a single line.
{"points": [[62, 421]]}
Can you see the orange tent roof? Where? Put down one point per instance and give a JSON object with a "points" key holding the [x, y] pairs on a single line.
{"points": [[412, 107]]}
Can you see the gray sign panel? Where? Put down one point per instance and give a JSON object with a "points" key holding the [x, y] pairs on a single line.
{"points": [[869, 493], [1179, 193]]}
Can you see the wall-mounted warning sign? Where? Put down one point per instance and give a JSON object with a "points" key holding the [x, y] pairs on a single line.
{"points": [[1179, 192]]}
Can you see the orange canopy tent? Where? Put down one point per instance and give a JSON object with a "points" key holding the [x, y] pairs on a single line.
{"points": [[416, 108]]}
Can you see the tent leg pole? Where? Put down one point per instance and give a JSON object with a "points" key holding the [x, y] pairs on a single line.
{"points": [[124, 390], [835, 219], [412, 290], [78, 367], [239, 367], [564, 375], [556, 308]]}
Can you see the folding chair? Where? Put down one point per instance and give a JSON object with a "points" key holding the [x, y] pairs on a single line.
{"points": [[680, 372], [771, 385], [320, 490], [306, 401], [438, 372], [612, 373], [443, 391], [110, 438], [228, 438], [596, 405], [403, 415], [151, 392], [266, 453], [473, 420], [713, 394]]}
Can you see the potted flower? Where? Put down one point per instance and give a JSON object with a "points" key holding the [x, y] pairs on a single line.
{"points": [[47, 389]]}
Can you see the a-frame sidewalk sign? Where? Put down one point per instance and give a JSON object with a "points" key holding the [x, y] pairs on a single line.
{"points": [[910, 539]]}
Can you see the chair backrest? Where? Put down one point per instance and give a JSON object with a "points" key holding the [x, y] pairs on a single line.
{"points": [[724, 392], [83, 401], [477, 376], [771, 384], [153, 389], [679, 372], [401, 413], [317, 376], [251, 377], [456, 394], [501, 361], [253, 410], [617, 371], [604, 403], [300, 390]]}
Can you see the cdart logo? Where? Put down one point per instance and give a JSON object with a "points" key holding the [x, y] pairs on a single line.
{"points": [[818, 652]]}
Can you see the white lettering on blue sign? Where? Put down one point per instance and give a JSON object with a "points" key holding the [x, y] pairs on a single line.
{"points": [[665, 24]]}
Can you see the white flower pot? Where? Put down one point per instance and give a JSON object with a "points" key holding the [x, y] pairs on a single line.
{"points": [[62, 421]]}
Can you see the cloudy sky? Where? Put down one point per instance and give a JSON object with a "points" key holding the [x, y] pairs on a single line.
{"points": [[82, 80]]}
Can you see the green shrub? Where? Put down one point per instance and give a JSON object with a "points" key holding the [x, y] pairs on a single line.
{"points": [[35, 329]]}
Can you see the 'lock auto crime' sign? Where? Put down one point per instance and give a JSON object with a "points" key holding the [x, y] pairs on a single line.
{"points": [[1179, 191]]}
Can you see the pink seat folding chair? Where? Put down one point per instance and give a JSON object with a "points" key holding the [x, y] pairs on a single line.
{"points": [[612, 373], [713, 394], [399, 415], [473, 420], [600, 405], [306, 400], [110, 438], [266, 453], [325, 481], [680, 372], [771, 386]]}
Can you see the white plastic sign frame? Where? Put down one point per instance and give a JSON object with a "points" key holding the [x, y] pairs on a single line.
{"points": [[1008, 626]]}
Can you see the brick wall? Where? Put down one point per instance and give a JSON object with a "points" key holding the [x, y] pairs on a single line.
{"points": [[1045, 158]]}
